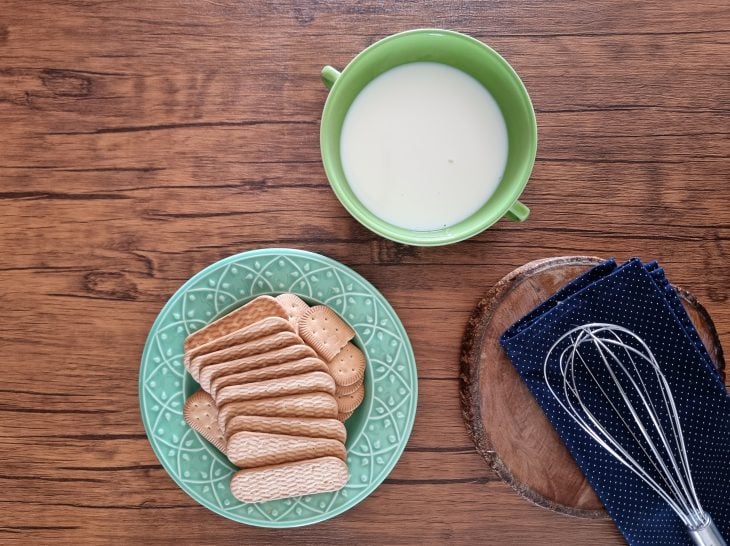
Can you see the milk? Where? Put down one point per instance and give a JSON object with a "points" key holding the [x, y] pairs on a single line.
{"points": [[424, 146]]}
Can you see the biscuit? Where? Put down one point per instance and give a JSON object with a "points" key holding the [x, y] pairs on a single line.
{"points": [[342, 417], [313, 404], [347, 403], [287, 354], [349, 389], [273, 388], [253, 449], [294, 367], [255, 310], [294, 306], [293, 426], [324, 331], [254, 347], [262, 328], [201, 413], [321, 475], [348, 367]]}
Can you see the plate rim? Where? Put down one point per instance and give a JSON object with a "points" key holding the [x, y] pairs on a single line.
{"points": [[412, 407]]}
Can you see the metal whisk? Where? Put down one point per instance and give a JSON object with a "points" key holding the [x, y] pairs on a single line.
{"points": [[610, 383]]}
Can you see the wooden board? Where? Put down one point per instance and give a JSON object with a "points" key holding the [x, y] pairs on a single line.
{"points": [[505, 422]]}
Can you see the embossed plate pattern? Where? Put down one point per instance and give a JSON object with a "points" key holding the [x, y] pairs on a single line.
{"points": [[377, 432]]}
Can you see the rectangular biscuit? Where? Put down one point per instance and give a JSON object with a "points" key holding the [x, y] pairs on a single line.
{"points": [[293, 367], [253, 311], [201, 413], [253, 449], [344, 390], [248, 348], [294, 306], [294, 426], [313, 404], [259, 329], [309, 477], [292, 352], [347, 403], [348, 366], [323, 330], [280, 386]]}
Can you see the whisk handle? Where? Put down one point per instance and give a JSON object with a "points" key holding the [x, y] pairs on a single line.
{"points": [[708, 535]]}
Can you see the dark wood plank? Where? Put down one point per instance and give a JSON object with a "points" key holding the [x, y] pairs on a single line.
{"points": [[141, 142]]}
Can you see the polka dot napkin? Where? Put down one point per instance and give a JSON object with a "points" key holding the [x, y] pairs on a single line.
{"points": [[638, 297]]}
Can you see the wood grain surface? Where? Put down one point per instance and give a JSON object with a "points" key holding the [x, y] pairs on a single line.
{"points": [[141, 141], [505, 422]]}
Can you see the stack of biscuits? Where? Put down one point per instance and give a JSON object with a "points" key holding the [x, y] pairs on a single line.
{"points": [[278, 380]]}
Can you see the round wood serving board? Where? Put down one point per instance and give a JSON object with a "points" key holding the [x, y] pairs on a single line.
{"points": [[505, 423]]}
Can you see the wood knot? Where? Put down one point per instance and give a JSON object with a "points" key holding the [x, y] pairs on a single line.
{"points": [[111, 284], [304, 15], [717, 294], [66, 83]]}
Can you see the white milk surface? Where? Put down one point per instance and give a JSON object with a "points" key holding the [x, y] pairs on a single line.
{"points": [[424, 146]]}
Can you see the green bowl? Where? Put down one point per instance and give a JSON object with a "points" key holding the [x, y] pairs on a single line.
{"points": [[474, 58], [376, 433]]}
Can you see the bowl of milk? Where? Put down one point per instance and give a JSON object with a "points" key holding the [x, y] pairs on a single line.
{"points": [[428, 137]]}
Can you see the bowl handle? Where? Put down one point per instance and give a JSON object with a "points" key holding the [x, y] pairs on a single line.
{"points": [[517, 212], [329, 75]]}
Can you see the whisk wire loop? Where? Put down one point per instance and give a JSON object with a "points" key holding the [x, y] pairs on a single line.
{"points": [[609, 382]]}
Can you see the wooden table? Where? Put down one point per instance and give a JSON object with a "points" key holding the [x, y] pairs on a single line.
{"points": [[140, 142]]}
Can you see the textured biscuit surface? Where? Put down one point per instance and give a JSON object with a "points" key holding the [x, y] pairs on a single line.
{"points": [[309, 477], [251, 449], [262, 328], [348, 389], [294, 307], [347, 403], [286, 369], [286, 354], [248, 348], [293, 426], [313, 404], [201, 413], [283, 378], [348, 366], [255, 310], [280, 386], [324, 331]]}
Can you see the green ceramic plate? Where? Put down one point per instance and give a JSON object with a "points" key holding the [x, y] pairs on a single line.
{"points": [[376, 433]]}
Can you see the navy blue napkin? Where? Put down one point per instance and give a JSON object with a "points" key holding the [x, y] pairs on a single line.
{"points": [[638, 297]]}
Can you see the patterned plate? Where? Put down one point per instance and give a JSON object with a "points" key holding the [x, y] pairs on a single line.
{"points": [[376, 433]]}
